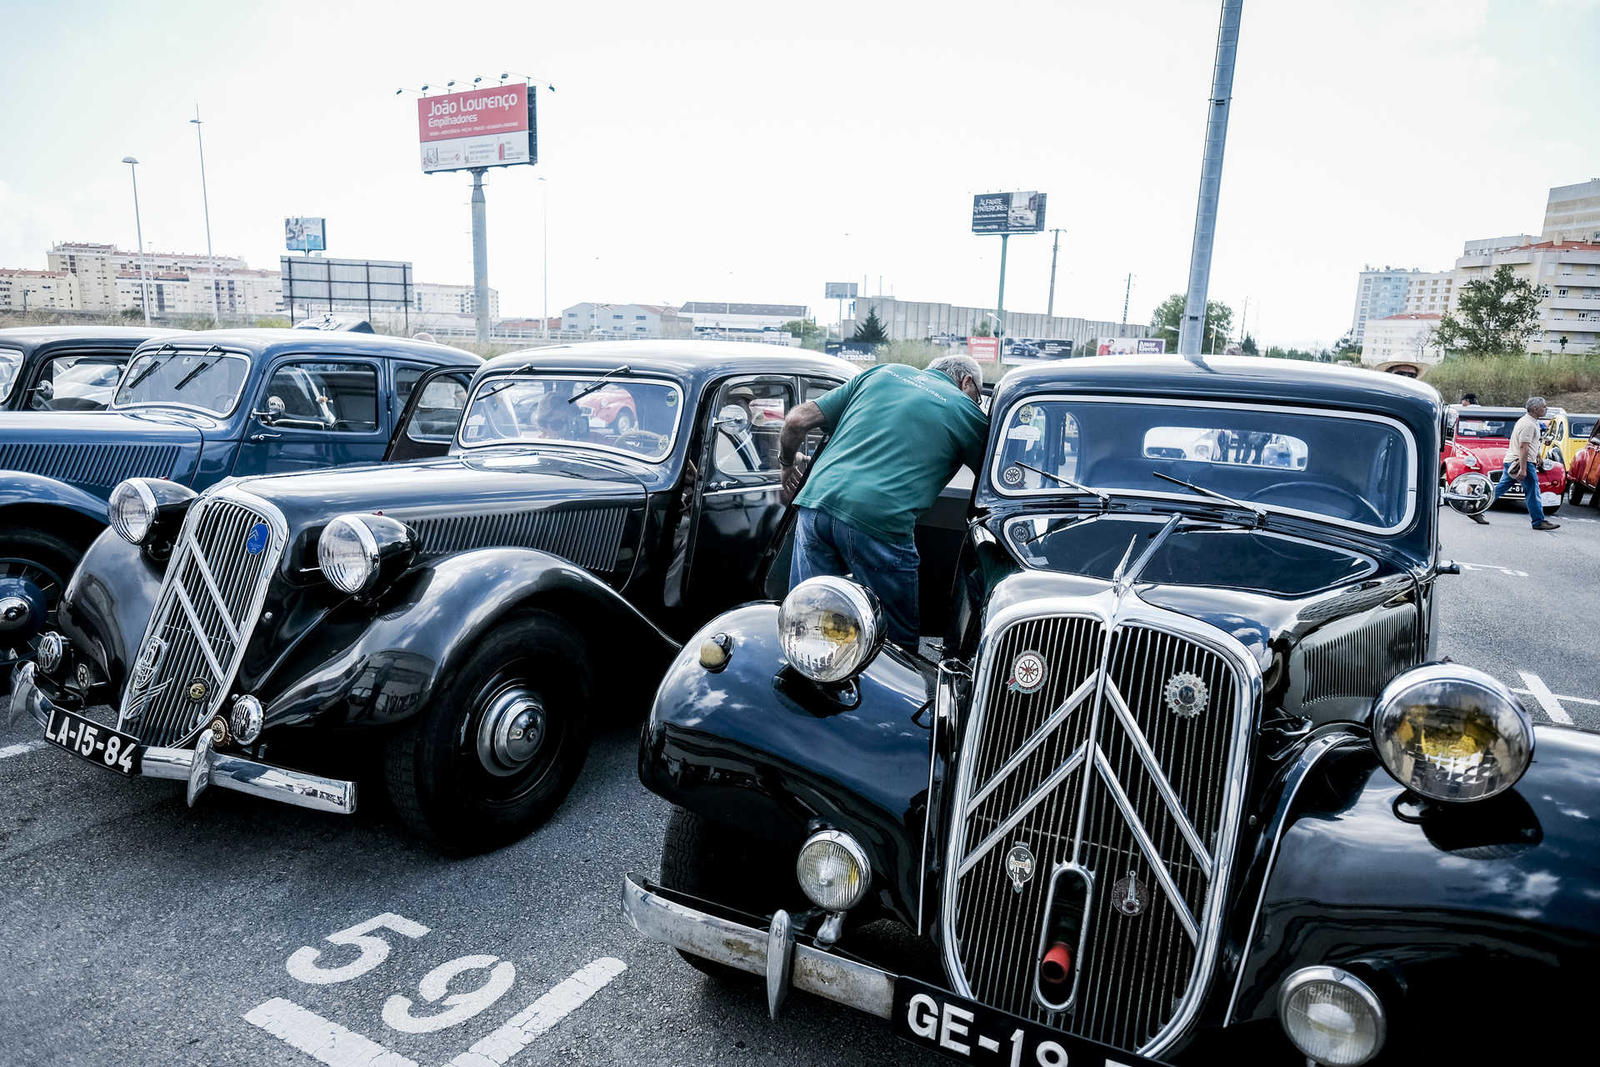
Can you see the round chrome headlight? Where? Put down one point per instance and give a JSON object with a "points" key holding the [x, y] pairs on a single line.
{"points": [[356, 551], [829, 628], [1331, 1016], [1451, 733], [833, 870], [143, 507]]}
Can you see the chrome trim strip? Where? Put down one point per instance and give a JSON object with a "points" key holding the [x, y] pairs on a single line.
{"points": [[1169, 796], [944, 702], [998, 486], [1309, 757], [1044, 932], [199, 633], [734, 491], [1158, 865], [1033, 799], [1040, 736], [201, 565]]}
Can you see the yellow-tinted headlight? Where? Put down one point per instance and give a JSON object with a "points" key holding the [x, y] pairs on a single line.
{"points": [[1451, 733], [829, 628]]}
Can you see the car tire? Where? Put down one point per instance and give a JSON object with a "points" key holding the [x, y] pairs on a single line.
{"points": [[48, 561], [530, 670], [624, 422], [719, 863]]}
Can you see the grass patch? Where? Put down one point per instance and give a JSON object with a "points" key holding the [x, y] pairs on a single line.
{"points": [[1510, 380], [912, 353]]}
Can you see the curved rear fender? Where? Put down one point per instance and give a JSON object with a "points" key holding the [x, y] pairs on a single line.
{"points": [[34, 501], [367, 664], [1438, 905], [108, 604], [759, 747]]}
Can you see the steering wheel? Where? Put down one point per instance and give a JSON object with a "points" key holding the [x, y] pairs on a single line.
{"points": [[643, 441], [1327, 487]]}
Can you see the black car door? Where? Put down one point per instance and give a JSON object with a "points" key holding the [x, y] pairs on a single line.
{"points": [[432, 411]]}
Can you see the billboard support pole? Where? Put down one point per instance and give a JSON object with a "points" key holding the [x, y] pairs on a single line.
{"points": [[1205, 216], [1000, 301], [480, 257], [1055, 246]]}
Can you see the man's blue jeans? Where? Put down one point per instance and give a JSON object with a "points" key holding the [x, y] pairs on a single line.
{"points": [[826, 545], [1530, 486]]}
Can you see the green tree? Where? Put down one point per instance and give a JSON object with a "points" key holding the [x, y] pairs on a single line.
{"points": [[1497, 314], [1346, 348], [1168, 315], [807, 330], [982, 329], [1248, 346], [870, 330]]}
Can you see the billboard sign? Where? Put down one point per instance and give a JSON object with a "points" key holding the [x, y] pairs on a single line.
{"points": [[313, 285], [854, 351], [478, 128], [1026, 349], [984, 349], [839, 291], [1008, 213], [1129, 346], [302, 234]]}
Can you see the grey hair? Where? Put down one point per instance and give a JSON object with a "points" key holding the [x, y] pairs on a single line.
{"points": [[958, 367], [1535, 402]]}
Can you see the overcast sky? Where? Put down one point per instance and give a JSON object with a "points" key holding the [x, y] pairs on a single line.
{"points": [[752, 151]]}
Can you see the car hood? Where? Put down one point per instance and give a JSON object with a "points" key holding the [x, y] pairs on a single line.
{"points": [[97, 449]]}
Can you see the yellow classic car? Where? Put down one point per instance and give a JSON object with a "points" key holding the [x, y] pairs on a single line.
{"points": [[1575, 432]]}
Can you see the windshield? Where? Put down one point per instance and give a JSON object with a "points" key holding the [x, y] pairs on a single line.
{"points": [[1349, 468], [1478, 427], [626, 414], [208, 381], [1582, 425]]}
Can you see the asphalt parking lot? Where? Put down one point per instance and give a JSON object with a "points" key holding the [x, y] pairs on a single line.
{"points": [[139, 931]]}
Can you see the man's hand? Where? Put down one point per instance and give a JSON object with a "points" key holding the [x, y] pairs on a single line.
{"points": [[1519, 470], [794, 474]]}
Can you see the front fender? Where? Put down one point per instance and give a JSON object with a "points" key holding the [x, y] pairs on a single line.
{"points": [[757, 746], [35, 491], [375, 664], [1439, 905], [107, 605]]}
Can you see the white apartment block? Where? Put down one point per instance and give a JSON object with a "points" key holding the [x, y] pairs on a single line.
{"points": [[1569, 317], [240, 292], [1573, 212], [98, 266], [1405, 338], [37, 290], [434, 299], [721, 317], [1379, 294], [1429, 292]]}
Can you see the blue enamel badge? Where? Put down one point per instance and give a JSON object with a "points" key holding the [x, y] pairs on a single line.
{"points": [[257, 540]]}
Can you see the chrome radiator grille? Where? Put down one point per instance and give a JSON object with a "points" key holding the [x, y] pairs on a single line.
{"points": [[1095, 769], [207, 609]]}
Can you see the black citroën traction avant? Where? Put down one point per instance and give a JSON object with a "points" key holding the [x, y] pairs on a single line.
{"points": [[1185, 779]]}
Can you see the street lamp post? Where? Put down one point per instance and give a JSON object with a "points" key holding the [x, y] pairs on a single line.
{"points": [[544, 270], [205, 203], [138, 228]]}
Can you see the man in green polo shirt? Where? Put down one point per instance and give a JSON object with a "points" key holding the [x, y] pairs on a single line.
{"points": [[898, 435]]}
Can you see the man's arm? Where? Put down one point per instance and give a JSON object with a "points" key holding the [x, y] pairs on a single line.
{"points": [[800, 421]]}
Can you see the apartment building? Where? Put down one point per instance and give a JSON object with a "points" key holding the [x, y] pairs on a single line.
{"points": [[1572, 213], [626, 320], [241, 293], [1379, 294], [37, 290], [98, 268], [1428, 292], [1569, 317], [1406, 338], [434, 299]]}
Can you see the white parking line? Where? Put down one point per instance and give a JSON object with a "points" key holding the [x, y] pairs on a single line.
{"points": [[521, 1029], [1492, 567], [19, 749], [1562, 697], [321, 1038], [1547, 700]]}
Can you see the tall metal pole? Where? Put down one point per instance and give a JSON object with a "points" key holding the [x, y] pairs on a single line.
{"points": [[1205, 219], [1055, 246], [1126, 293], [1000, 301], [544, 271], [480, 256], [205, 202], [138, 228]]}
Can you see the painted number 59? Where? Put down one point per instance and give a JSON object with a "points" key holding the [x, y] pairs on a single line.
{"points": [[303, 966]]}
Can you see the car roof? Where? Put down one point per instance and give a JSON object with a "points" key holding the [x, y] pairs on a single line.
{"points": [[31, 337], [682, 358], [270, 342], [1239, 378], [1477, 410]]}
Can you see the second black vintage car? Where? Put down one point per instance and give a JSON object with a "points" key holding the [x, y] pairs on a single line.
{"points": [[1182, 782], [469, 614]]}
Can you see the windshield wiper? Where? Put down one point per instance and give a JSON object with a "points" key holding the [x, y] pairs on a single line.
{"points": [[597, 383], [1259, 512], [1104, 498], [151, 369], [192, 375]]}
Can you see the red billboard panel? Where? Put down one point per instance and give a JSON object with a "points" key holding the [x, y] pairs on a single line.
{"points": [[477, 128], [984, 349]]}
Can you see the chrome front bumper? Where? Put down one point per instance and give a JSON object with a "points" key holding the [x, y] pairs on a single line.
{"points": [[771, 953], [203, 765]]}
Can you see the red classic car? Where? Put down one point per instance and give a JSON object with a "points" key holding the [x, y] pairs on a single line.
{"points": [[1584, 474], [610, 407], [1478, 445]]}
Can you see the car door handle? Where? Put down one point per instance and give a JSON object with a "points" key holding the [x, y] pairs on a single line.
{"points": [[259, 437]]}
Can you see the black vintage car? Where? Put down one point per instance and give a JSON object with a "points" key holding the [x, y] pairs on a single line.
{"points": [[1181, 775], [470, 614], [66, 368]]}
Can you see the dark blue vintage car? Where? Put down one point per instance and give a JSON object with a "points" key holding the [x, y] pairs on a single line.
{"points": [[192, 408], [66, 368], [468, 615], [1180, 777]]}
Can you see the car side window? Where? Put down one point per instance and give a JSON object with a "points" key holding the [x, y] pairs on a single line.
{"points": [[811, 389], [80, 382], [333, 396], [438, 410], [747, 423], [406, 376]]}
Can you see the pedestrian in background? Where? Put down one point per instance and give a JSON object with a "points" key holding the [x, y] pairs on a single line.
{"points": [[1523, 462], [1469, 400]]}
